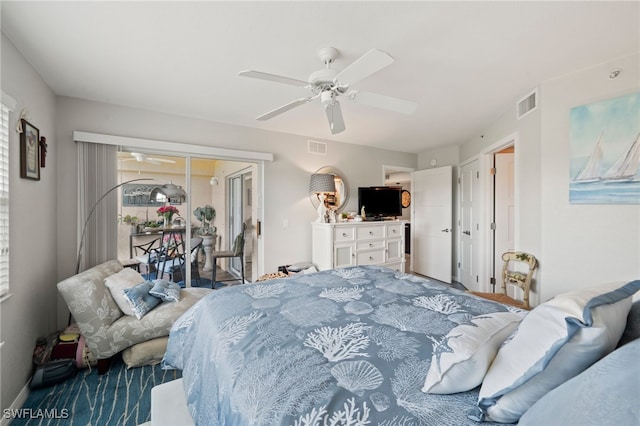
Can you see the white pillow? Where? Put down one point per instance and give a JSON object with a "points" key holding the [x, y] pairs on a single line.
{"points": [[118, 282], [555, 342], [463, 357]]}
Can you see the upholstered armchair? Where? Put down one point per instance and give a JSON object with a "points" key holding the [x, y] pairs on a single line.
{"points": [[106, 329]]}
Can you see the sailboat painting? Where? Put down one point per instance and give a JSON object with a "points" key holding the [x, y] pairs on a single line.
{"points": [[605, 152]]}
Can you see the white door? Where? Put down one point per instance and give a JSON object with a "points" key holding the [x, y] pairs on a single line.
{"points": [[469, 258], [431, 224], [504, 210]]}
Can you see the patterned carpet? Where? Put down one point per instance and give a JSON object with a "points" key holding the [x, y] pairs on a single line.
{"points": [[119, 397]]}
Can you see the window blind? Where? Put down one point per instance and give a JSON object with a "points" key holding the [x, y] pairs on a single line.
{"points": [[4, 200]]}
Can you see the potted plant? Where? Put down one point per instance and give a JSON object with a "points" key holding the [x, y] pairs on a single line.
{"points": [[206, 214], [132, 221]]}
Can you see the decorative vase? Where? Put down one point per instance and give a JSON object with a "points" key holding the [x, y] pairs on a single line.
{"points": [[207, 244], [167, 222]]}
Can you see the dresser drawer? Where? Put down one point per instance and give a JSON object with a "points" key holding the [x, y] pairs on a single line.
{"points": [[395, 230], [344, 233], [370, 232], [373, 244], [370, 257]]}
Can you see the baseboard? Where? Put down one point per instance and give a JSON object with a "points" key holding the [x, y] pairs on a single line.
{"points": [[16, 404]]}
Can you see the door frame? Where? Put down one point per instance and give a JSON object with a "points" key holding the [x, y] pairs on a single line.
{"points": [[486, 209]]}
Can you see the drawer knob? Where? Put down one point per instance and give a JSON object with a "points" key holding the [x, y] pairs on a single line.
{"points": [[370, 232], [370, 245], [393, 230], [344, 234], [370, 258]]}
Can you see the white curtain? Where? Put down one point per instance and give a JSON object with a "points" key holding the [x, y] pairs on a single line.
{"points": [[97, 175]]}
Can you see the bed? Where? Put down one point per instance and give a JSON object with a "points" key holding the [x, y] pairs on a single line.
{"points": [[371, 346], [346, 346]]}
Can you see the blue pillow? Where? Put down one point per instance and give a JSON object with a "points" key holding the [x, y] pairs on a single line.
{"points": [[165, 290], [554, 342], [632, 330], [605, 393], [140, 300]]}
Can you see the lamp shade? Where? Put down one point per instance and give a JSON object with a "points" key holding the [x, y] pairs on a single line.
{"points": [[322, 183], [171, 191]]}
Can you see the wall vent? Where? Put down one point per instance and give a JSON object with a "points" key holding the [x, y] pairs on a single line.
{"points": [[527, 104], [315, 147]]}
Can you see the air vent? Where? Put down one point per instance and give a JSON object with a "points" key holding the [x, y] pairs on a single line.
{"points": [[527, 104], [316, 147]]}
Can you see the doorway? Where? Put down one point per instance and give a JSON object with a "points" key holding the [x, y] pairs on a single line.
{"points": [[402, 177], [499, 212], [503, 209]]}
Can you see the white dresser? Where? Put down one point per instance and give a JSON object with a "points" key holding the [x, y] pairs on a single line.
{"points": [[336, 245]]}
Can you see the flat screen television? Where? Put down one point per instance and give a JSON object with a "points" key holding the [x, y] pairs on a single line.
{"points": [[380, 201]]}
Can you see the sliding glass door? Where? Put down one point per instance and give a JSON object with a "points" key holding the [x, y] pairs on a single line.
{"points": [[240, 213], [223, 189]]}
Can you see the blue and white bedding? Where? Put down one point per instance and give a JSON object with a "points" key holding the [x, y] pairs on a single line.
{"points": [[348, 346]]}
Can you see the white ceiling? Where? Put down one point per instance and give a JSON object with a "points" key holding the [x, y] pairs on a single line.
{"points": [[465, 63]]}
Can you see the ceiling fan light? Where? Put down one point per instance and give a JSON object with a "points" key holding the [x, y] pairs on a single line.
{"points": [[327, 98]]}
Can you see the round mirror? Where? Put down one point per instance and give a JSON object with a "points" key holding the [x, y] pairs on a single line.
{"points": [[339, 200]]}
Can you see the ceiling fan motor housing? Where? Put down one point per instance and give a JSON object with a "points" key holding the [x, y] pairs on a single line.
{"points": [[322, 78]]}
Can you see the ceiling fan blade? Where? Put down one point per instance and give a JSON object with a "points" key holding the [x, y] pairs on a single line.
{"points": [[385, 102], [285, 108], [160, 160], [366, 65], [272, 77], [334, 115]]}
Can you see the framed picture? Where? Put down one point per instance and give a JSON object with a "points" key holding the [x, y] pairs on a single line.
{"points": [[604, 150], [29, 155], [134, 194]]}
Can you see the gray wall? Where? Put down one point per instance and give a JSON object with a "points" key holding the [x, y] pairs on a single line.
{"points": [[286, 178], [31, 310], [43, 214]]}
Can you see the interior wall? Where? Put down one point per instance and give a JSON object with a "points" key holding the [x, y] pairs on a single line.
{"points": [[30, 311], [583, 245], [288, 210], [577, 245]]}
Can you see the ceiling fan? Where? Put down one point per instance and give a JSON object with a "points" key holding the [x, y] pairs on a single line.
{"points": [[328, 84], [144, 158]]}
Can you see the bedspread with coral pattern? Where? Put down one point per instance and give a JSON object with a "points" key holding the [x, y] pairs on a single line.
{"points": [[347, 346]]}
